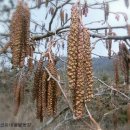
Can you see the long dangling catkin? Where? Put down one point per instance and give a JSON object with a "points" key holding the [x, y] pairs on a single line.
{"points": [[39, 97], [106, 11], [44, 92], [30, 60], [19, 92], [126, 3], [50, 99], [124, 61], [52, 90], [109, 42], [72, 48], [88, 66], [37, 78], [16, 30], [79, 64], [116, 72], [17, 99], [128, 29], [79, 89], [19, 34], [128, 113]]}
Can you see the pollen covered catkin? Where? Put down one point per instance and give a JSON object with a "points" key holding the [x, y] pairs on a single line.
{"points": [[79, 64], [19, 34], [45, 89], [72, 48], [88, 66], [79, 89], [52, 90]]}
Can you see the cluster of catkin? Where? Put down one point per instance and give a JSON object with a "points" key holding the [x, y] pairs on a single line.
{"points": [[121, 61], [79, 64], [19, 35], [45, 90]]}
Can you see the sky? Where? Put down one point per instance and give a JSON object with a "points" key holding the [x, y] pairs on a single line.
{"points": [[94, 15], [38, 15]]}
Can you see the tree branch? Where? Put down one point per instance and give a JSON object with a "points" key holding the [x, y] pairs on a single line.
{"points": [[56, 13]]}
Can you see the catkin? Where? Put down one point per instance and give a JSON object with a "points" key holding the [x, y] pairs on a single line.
{"points": [[52, 90], [79, 64], [124, 61], [44, 92], [37, 77], [79, 90], [19, 92], [17, 99], [72, 48], [128, 29], [88, 66], [116, 72], [19, 35]]}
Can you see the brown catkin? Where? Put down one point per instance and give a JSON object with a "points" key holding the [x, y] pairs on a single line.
{"points": [[88, 66], [30, 60], [37, 78], [44, 92], [19, 35], [116, 72], [128, 113], [72, 48], [128, 29], [126, 3], [17, 99], [50, 99], [39, 98], [79, 90], [52, 90], [79, 64], [16, 31], [124, 61]]}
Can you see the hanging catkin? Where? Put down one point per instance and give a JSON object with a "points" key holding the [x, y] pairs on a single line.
{"points": [[126, 3], [116, 72], [19, 92], [37, 77], [44, 92], [17, 99], [124, 61], [88, 66], [79, 64], [72, 48], [79, 88], [52, 90], [19, 35], [128, 29], [45, 89], [128, 113], [30, 60]]}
